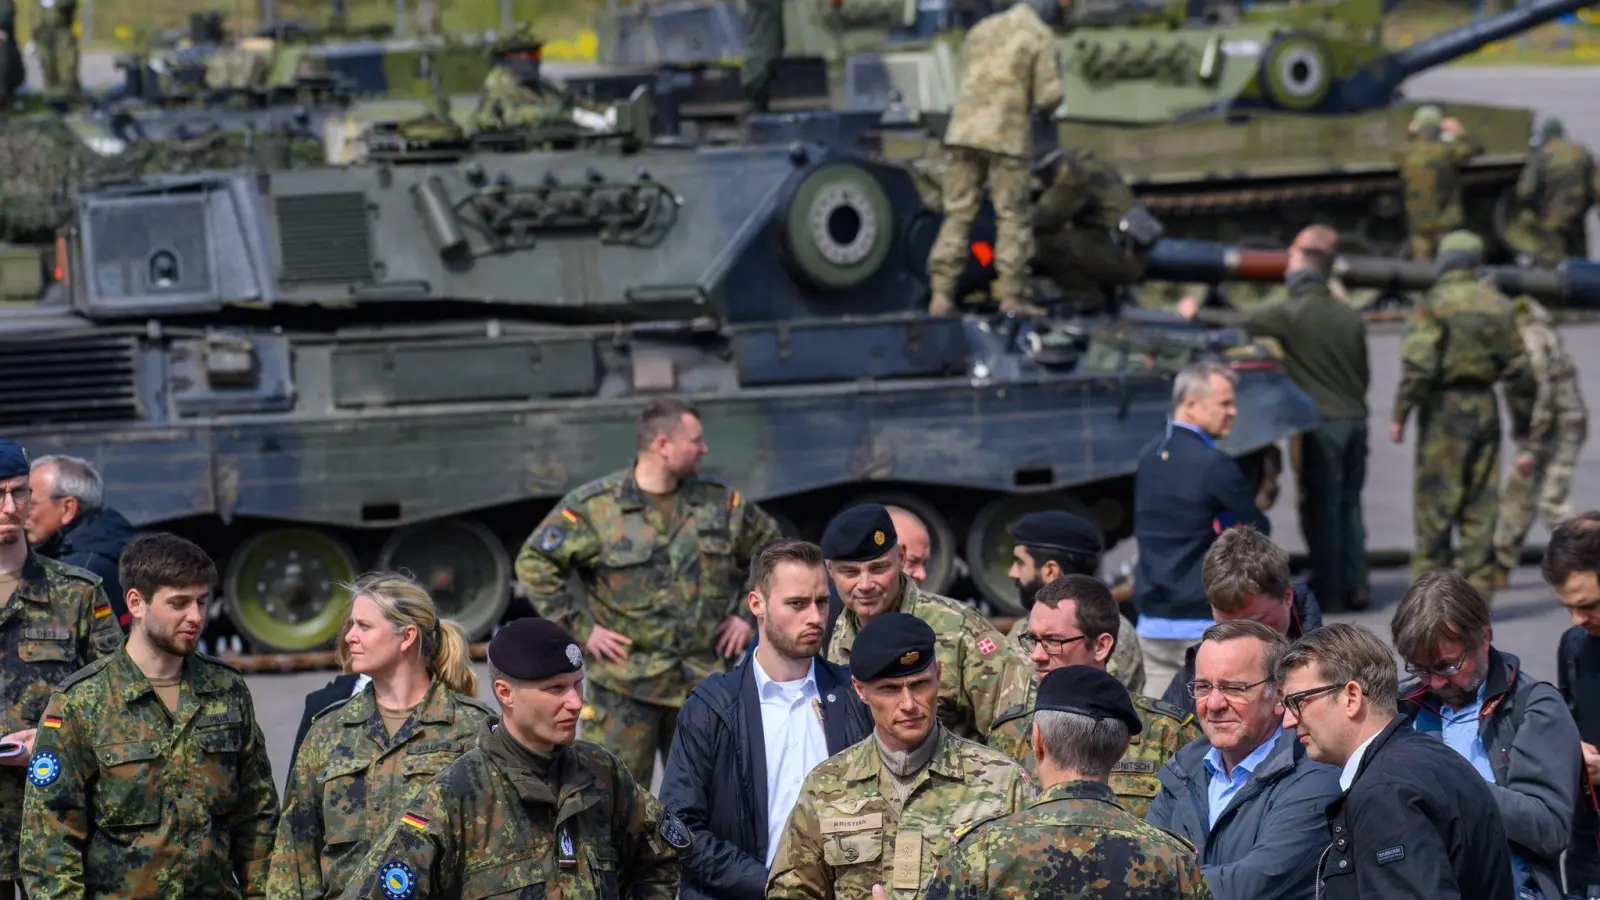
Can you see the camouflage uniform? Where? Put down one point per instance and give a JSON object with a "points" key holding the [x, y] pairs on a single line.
{"points": [[57, 45], [1559, 428], [12, 70], [1430, 167], [1075, 840], [1126, 663], [763, 42], [1167, 729], [665, 585], [58, 621], [1009, 72], [508, 104], [128, 800], [490, 825], [1458, 342], [1075, 224], [847, 831], [352, 779], [980, 672], [1556, 189]]}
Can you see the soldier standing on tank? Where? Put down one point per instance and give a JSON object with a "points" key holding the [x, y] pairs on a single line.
{"points": [[1077, 227], [1430, 166], [150, 777], [883, 813], [1074, 624], [57, 45], [662, 553], [1557, 187], [980, 672], [1010, 71], [1458, 343], [515, 95], [763, 47], [1539, 481], [1077, 838], [558, 816], [54, 619]]}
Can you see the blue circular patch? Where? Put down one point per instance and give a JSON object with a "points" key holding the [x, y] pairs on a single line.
{"points": [[44, 768], [399, 881], [551, 539]]}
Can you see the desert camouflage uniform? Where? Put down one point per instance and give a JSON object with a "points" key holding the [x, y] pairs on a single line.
{"points": [[1075, 224], [848, 830], [1458, 342], [1167, 729], [491, 825], [665, 585], [57, 46], [1075, 840], [1126, 663], [128, 800], [1559, 428], [508, 104], [351, 780], [58, 621], [1009, 72], [1430, 166], [1556, 189], [980, 672]]}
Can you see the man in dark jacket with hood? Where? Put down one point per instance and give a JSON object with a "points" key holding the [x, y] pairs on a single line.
{"points": [[70, 523], [1246, 577], [746, 739], [1415, 822], [1515, 730]]}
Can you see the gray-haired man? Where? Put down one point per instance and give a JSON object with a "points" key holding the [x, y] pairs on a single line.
{"points": [[70, 523]]}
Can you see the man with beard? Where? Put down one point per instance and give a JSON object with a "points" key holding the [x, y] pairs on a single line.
{"points": [[661, 552], [1515, 729], [748, 738], [980, 672], [150, 777], [882, 814], [1074, 623], [530, 811], [1051, 544], [54, 619]]}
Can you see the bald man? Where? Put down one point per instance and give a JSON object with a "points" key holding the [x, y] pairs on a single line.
{"points": [[914, 537]]}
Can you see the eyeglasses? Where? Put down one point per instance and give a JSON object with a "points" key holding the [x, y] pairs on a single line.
{"points": [[1052, 646], [1293, 701], [1200, 690], [1449, 671], [17, 495]]}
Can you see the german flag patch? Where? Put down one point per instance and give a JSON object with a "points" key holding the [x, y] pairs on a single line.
{"points": [[415, 821], [569, 515], [102, 610], [50, 722]]}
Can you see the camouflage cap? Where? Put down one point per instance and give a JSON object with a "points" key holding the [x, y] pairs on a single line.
{"points": [[1552, 127], [1461, 242], [1427, 117], [520, 38]]}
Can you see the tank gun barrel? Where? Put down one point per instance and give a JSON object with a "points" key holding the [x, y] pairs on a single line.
{"points": [[1458, 42], [1573, 284]]}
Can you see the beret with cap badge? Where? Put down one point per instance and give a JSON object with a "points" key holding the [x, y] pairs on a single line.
{"points": [[859, 534], [13, 459], [1088, 691], [532, 648], [893, 645]]}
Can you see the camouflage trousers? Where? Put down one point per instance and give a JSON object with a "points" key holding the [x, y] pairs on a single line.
{"points": [[1547, 246], [1542, 492], [1456, 486], [1084, 263], [1333, 469], [967, 172], [58, 57], [634, 731]]}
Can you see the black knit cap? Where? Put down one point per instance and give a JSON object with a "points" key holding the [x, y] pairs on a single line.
{"points": [[13, 459], [1053, 529], [533, 648], [859, 534], [893, 645], [1087, 691]]}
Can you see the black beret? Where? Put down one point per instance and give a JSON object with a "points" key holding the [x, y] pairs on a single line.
{"points": [[1053, 529], [1087, 691], [893, 645], [532, 648], [859, 533], [13, 459]]}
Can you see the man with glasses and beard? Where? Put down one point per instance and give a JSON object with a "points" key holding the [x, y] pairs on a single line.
{"points": [[54, 619], [1514, 729], [1415, 820], [150, 776], [747, 739]]}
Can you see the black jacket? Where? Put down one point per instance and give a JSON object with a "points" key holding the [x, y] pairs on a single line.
{"points": [[716, 775], [1182, 488], [318, 700], [1307, 616], [95, 542], [1418, 822], [1578, 679]]}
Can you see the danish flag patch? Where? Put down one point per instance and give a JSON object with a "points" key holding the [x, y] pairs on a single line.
{"points": [[986, 646]]}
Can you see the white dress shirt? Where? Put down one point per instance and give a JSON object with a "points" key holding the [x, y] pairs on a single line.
{"points": [[361, 682], [1348, 776], [791, 727]]}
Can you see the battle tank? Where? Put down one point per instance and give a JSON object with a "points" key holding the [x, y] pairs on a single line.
{"points": [[406, 362]]}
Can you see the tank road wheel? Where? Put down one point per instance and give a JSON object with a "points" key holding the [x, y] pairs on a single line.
{"points": [[284, 588], [941, 563], [462, 564], [1296, 72], [989, 544], [839, 227]]}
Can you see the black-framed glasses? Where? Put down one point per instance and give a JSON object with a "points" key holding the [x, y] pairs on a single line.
{"points": [[1052, 646], [1293, 701], [1200, 690], [17, 495], [1449, 671]]}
